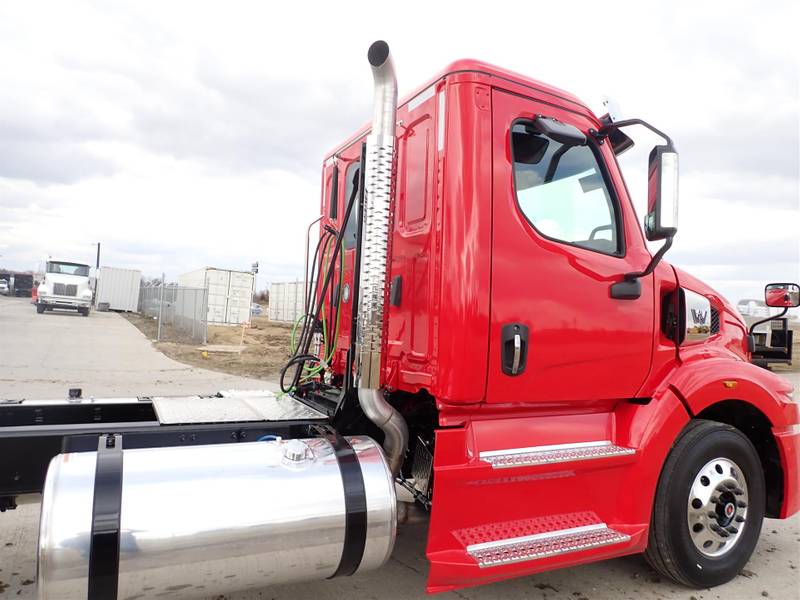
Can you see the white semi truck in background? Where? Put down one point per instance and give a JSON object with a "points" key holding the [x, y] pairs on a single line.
{"points": [[65, 285]]}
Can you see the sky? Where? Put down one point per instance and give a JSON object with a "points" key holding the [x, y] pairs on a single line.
{"points": [[184, 134]]}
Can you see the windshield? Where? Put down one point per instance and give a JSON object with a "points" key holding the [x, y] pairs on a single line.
{"points": [[65, 268]]}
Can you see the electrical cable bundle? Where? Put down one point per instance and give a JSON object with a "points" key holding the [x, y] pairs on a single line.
{"points": [[330, 247]]}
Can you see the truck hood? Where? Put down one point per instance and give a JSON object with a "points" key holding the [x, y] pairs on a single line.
{"points": [[50, 279]]}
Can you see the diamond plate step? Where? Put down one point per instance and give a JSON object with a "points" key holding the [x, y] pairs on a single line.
{"points": [[558, 453], [542, 545]]}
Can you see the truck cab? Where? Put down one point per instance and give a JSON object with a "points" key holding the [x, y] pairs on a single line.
{"points": [[558, 361], [65, 286]]}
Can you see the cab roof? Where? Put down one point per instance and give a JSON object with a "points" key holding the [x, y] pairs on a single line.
{"points": [[491, 75]]}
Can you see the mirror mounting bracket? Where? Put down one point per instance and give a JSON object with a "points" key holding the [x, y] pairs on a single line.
{"points": [[607, 128], [630, 288], [767, 320]]}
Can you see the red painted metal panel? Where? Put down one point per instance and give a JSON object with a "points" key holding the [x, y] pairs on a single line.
{"points": [[583, 344], [474, 503], [461, 314]]}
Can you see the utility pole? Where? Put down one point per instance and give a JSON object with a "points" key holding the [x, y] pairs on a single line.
{"points": [[96, 274]]}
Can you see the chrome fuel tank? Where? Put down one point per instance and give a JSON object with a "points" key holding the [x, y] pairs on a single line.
{"points": [[205, 520]]}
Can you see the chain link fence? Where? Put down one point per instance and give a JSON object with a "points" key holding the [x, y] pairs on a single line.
{"points": [[180, 313]]}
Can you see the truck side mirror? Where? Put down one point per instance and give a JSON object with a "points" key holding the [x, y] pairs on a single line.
{"points": [[661, 221], [782, 295]]}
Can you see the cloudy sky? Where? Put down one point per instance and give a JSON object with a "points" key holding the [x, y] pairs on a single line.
{"points": [[181, 136]]}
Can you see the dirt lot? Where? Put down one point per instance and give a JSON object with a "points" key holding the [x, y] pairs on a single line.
{"points": [[266, 347]]}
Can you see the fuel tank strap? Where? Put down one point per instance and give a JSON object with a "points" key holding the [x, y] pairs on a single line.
{"points": [[355, 503], [104, 541]]}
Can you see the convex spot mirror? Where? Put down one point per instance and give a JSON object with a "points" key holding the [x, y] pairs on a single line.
{"points": [[661, 221], [783, 295]]}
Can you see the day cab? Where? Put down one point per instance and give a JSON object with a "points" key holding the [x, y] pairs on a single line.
{"points": [[65, 286], [581, 398]]}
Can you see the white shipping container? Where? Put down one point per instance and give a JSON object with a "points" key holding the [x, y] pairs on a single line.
{"points": [[286, 301], [119, 287], [229, 293]]}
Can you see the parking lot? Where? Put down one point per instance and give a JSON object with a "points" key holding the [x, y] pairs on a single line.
{"points": [[41, 356]]}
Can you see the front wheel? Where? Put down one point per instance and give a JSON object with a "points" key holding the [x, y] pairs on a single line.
{"points": [[40, 308], [709, 506]]}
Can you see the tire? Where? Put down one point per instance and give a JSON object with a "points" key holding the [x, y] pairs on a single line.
{"points": [[84, 311], [687, 553], [40, 308]]}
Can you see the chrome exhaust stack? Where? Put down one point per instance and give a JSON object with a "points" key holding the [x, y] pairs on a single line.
{"points": [[373, 274]]}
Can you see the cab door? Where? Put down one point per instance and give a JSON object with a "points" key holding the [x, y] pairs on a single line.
{"points": [[563, 232]]}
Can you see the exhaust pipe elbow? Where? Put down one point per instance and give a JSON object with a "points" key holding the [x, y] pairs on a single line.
{"points": [[393, 425], [385, 104]]}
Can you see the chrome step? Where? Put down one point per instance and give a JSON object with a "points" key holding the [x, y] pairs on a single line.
{"points": [[557, 453], [542, 545]]}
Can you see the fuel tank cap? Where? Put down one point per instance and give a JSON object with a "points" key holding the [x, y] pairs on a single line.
{"points": [[296, 451]]}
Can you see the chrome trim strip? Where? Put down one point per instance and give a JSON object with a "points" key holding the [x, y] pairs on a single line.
{"points": [[555, 453], [420, 98], [530, 449], [543, 545], [534, 538], [442, 118]]}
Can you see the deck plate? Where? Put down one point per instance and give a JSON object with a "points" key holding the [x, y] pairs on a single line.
{"points": [[260, 406]]}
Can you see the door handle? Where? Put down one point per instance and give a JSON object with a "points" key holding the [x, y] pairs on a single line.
{"points": [[517, 352], [514, 348]]}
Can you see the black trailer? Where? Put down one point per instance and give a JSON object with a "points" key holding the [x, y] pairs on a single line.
{"points": [[23, 284]]}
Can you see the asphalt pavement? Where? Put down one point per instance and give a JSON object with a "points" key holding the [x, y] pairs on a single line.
{"points": [[42, 356]]}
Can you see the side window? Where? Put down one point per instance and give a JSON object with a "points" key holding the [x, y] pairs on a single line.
{"points": [[351, 178], [562, 192]]}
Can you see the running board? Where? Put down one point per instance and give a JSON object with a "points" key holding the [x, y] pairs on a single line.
{"points": [[543, 545], [558, 453]]}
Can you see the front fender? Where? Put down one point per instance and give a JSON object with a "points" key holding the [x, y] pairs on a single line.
{"points": [[705, 382]]}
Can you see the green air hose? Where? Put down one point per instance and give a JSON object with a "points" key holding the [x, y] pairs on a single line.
{"points": [[311, 372]]}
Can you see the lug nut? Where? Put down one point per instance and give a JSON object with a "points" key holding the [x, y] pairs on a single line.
{"points": [[739, 519], [723, 533], [713, 499], [712, 514], [731, 529], [741, 504]]}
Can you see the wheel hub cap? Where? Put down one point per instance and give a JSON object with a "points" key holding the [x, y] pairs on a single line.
{"points": [[729, 510], [717, 507]]}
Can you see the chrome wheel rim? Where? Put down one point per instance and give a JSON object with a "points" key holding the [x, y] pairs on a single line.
{"points": [[717, 507]]}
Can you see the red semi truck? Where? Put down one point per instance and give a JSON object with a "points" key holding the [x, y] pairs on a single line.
{"points": [[485, 331]]}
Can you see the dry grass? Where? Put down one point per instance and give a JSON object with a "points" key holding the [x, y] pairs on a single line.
{"points": [[266, 347]]}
